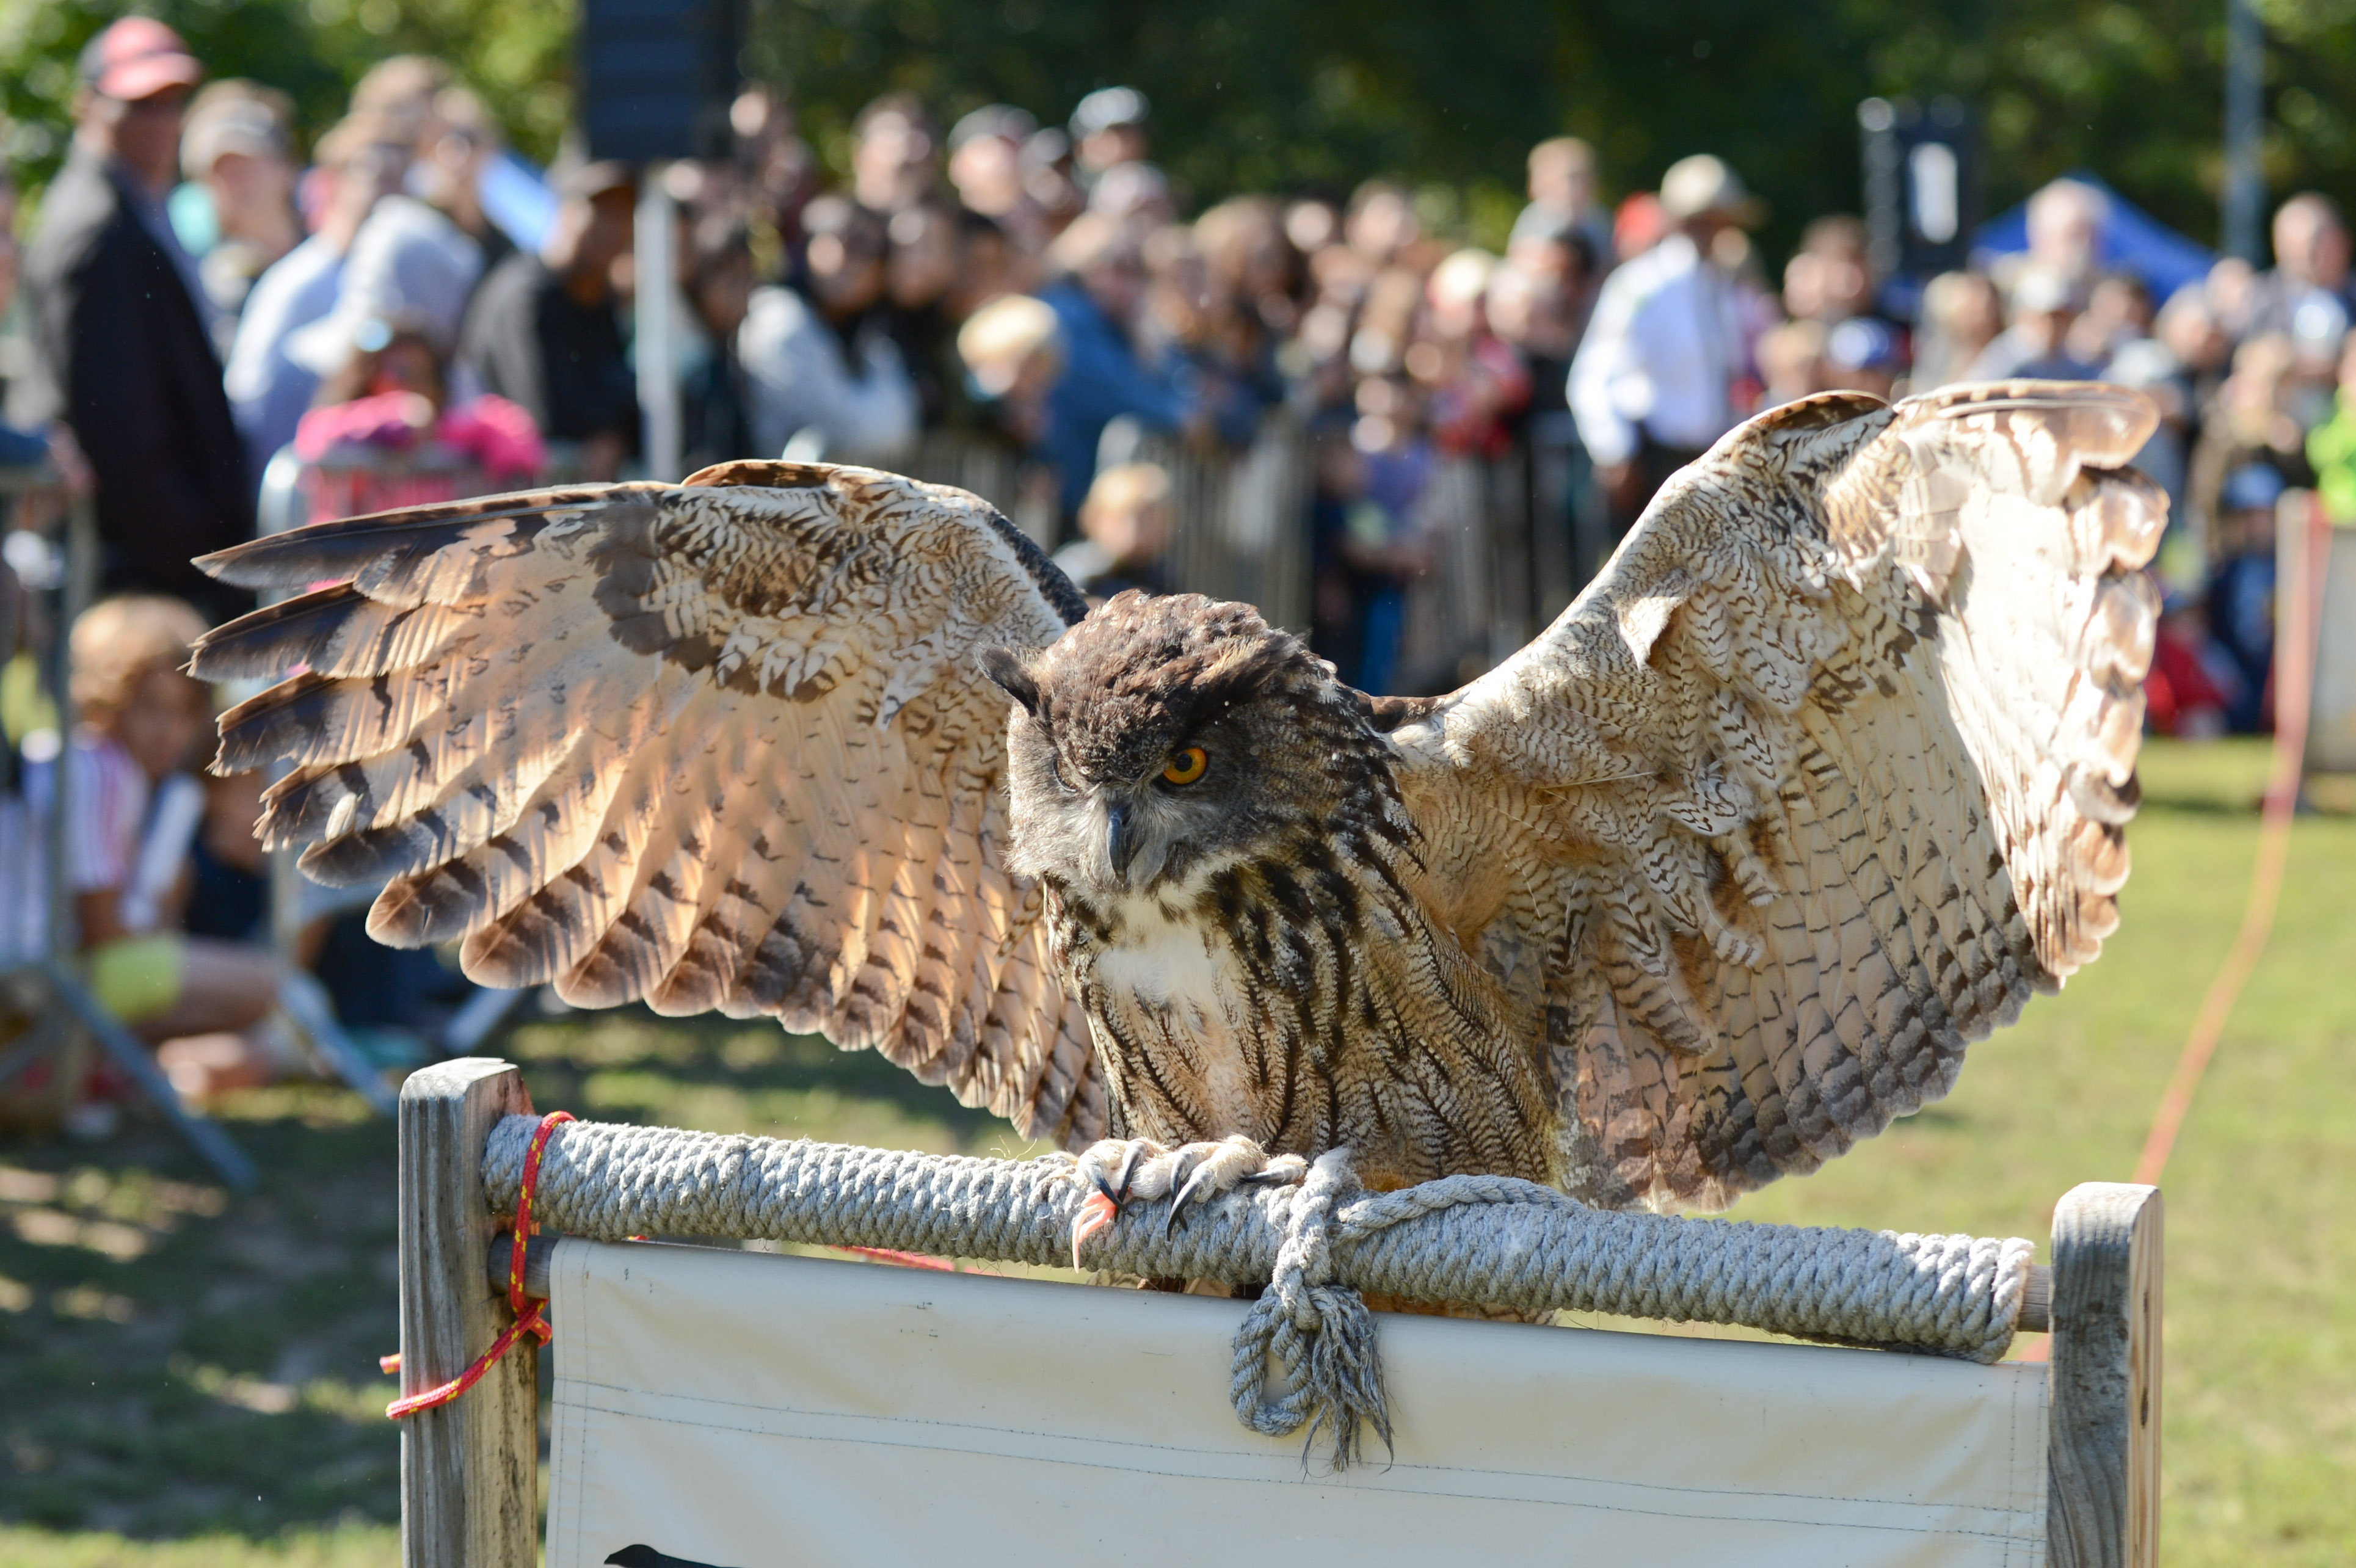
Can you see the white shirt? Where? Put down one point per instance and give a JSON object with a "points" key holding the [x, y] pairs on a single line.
{"points": [[268, 391], [1669, 338], [800, 378]]}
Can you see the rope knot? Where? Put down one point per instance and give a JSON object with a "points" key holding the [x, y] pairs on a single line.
{"points": [[1319, 1336]]}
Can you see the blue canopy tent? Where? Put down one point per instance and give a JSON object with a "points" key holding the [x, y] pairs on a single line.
{"points": [[2132, 241]]}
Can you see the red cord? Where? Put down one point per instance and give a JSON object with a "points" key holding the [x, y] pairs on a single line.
{"points": [[528, 1318], [2293, 692]]}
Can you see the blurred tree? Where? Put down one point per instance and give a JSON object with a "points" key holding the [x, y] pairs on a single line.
{"points": [[514, 51], [1281, 93]]}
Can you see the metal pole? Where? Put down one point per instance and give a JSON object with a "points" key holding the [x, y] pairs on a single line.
{"points": [[656, 252], [2245, 194]]}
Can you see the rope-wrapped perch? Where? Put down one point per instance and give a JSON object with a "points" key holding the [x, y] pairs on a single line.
{"points": [[1483, 1239]]}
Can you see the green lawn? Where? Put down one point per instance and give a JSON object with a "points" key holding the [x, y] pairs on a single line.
{"points": [[190, 1379]]}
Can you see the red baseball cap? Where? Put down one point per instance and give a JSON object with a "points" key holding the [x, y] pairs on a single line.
{"points": [[138, 58]]}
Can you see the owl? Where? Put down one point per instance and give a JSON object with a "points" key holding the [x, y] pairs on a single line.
{"points": [[1817, 783]]}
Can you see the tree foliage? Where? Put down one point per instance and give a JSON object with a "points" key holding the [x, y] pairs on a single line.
{"points": [[1282, 93]]}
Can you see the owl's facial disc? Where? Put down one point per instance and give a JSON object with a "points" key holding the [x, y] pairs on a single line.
{"points": [[1141, 748]]}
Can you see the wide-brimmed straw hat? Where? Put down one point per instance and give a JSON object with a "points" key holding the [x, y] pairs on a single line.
{"points": [[1703, 184]]}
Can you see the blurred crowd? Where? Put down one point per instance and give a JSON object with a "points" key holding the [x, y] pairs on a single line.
{"points": [[407, 312]]}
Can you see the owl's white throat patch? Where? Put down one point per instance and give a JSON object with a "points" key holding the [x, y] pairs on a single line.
{"points": [[1165, 963]]}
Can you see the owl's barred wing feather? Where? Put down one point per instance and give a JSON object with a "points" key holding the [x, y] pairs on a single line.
{"points": [[720, 745], [1824, 776]]}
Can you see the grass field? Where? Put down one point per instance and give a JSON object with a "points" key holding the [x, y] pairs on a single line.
{"points": [[186, 1378]]}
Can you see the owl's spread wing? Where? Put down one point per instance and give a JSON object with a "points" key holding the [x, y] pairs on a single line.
{"points": [[720, 745], [1820, 780]]}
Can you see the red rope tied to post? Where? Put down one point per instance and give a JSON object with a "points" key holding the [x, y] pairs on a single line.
{"points": [[528, 1318]]}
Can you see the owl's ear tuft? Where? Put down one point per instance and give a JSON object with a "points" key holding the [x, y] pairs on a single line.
{"points": [[1241, 670], [1005, 667]]}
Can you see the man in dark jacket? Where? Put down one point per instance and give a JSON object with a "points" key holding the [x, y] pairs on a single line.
{"points": [[123, 349], [544, 331]]}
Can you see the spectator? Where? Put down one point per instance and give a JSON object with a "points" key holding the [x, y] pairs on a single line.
{"points": [[237, 149], [1640, 224], [1109, 130], [409, 266], [986, 167], [2240, 597], [1654, 384], [2331, 446], [120, 328], [2249, 424], [1475, 384], [2309, 279], [393, 396], [1369, 543], [1097, 299], [1539, 302], [778, 173], [824, 361], [1125, 527], [2068, 220], [457, 141], [2188, 693], [892, 161], [715, 401], [397, 93], [1562, 196], [1138, 194], [1180, 332], [268, 389], [1829, 284], [199, 1000], [2036, 342], [1381, 224], [926, 254], [1012, 352], [1790, 361], [28, 448], [989, 263], [1830, 277], [1962, 314], [543, 330], [2118, 314]]}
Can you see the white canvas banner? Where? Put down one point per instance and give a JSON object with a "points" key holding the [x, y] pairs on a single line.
{"points": [[739, 1409]]}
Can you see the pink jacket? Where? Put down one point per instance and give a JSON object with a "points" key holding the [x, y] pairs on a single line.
{"points": [[496, 434]]}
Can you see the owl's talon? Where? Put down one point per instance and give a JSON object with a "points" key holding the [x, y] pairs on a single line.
{"points": [[1119, 1188], [1096, 1214], [1120, 1169], [1284, 1171]]}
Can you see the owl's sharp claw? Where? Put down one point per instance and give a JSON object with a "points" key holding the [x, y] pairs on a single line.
{"points": [[1199, 1179], [1119, 1188], [1122, 1170], [1284, 1171], [1096, 1214]]}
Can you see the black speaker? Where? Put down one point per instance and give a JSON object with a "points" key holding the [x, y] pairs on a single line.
{"points": [[656, 78], [1922, 184]]}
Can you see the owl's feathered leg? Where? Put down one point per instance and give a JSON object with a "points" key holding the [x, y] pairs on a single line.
{"points": [[1123, 1168]]}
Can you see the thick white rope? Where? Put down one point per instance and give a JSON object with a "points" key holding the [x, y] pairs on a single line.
{"points": [[1486, 1240]]}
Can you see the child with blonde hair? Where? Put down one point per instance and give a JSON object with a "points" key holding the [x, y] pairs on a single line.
{"points": [[1126, 526], [134, 807]]}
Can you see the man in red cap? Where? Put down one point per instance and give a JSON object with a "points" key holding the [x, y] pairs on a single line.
{"points": [[122, 330]]}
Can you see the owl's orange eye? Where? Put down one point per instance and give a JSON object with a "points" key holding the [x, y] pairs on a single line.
{"points": [[1186, 766]]}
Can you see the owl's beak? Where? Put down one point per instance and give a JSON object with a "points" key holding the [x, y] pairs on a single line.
{"points": [[1120, 839]]}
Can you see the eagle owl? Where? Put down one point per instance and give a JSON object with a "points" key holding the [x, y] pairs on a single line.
{"points": [[1818, 781]]}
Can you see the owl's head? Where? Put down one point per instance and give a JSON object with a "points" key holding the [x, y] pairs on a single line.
{"points": [[1164, 736]]}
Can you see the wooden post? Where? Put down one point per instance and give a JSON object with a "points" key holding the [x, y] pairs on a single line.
{"points": [[469, 1482], [2102, 1451]]}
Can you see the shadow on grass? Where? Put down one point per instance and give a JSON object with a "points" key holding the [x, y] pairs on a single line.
{"points": [[180, 1363]]}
